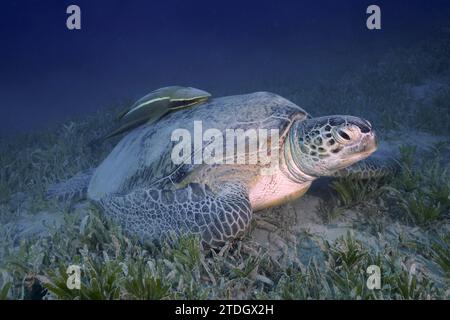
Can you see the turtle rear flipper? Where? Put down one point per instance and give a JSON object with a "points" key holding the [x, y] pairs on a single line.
{"points": [[71, 190], [154, 214]]}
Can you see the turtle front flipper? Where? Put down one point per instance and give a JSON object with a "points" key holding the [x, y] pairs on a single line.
{"points": [[370, 168], [154, 214]]}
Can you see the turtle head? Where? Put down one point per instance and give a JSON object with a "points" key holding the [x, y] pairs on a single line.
{"points": [[321, 146]]}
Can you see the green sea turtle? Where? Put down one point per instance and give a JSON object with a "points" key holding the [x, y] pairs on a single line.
{"points": [[155, 105], [140, 186]]}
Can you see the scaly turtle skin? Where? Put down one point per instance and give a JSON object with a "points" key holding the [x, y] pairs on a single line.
{"points": [[140, 186], [155, 105]]}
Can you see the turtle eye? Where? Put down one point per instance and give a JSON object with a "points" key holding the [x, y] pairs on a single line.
{"points": [[343, 135]]}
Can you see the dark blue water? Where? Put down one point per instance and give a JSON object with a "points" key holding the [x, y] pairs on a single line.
{"points": [[128, 48]]}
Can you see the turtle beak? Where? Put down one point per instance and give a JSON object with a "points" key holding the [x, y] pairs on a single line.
{"points": [[367, 146], [370, 143]]}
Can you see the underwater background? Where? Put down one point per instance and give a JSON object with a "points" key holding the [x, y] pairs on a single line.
{"points": [[61, 88], [124, 50]]}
